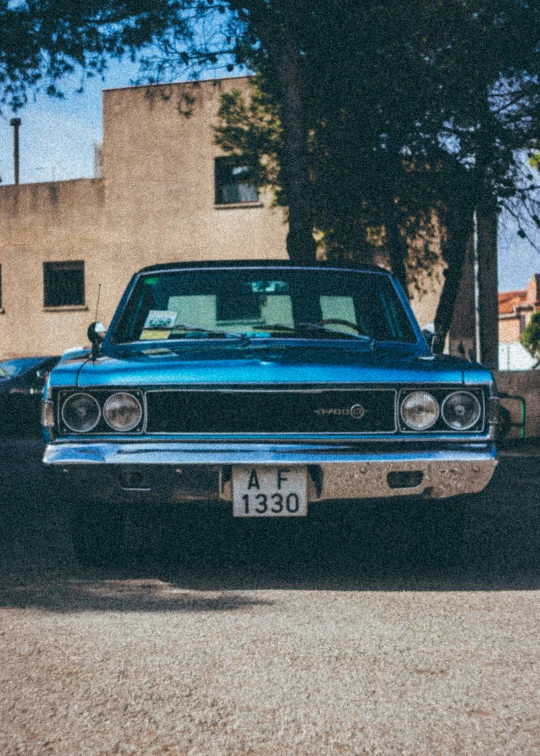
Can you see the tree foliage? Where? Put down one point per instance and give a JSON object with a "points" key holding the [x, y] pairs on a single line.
{"points": [[530, 338], [411, 107], [419, 78], [372, 118], [45, 40]]}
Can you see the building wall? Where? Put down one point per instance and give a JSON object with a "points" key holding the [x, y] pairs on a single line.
{"points": [[514, 356], [45, 223], [154, 203], [158, 174], [516, 309], [509, 329], [525, 384], [158, 169]]}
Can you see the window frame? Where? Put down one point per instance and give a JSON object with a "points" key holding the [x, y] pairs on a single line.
{"points": [[52, 287], [224, 165]]}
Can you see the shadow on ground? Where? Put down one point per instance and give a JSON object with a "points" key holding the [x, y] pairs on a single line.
{"points": [[208, 562]]}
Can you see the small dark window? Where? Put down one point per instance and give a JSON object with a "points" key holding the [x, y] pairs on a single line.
{"points": [[63, 283], [235, 182]]}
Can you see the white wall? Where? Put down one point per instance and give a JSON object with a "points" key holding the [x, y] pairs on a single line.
{"points": [[514, 356]]}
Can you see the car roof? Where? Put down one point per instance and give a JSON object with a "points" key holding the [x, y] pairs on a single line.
{"points": [[209, 264], [32, 357]]}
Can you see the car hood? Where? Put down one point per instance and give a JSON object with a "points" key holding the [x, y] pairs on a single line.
{"points": [[291, 364]]}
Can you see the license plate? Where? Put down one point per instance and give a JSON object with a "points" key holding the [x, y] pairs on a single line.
{"points": [[269, 491]]}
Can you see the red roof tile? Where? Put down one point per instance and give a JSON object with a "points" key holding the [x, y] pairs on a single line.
{"points": [[508, 300]]}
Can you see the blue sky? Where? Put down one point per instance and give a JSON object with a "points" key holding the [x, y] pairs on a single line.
{"points": [[517, 258], [57, 138]]}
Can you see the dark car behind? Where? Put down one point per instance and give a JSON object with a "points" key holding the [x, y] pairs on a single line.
{"points": [[21, 383]]}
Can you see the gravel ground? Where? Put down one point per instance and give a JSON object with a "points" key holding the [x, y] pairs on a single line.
{"points": [[369, 646]]}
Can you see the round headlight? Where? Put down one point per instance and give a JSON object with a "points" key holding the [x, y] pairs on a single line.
{"points": [[81, 413], [419, 410], [461, 410], [122, 412]]}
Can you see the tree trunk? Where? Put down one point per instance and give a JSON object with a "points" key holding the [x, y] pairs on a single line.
{"points": [[458, 228], [397, 244], [487, 223], [301, 245], [272, 25], [488, 285]]}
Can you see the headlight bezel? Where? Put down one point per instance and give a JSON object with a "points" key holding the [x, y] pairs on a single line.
{"points": [[441, 394], [100, 396]]}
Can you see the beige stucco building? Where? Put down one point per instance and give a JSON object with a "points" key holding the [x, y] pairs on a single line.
{"points": [[516, 309], [165, 194]]}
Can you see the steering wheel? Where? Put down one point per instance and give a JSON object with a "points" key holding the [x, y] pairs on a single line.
{"points": [[338, 321]]}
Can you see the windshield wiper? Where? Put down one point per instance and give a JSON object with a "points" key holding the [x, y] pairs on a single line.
{"points": [[303, 327], [299, 328], [321, 327], [188, 328]]}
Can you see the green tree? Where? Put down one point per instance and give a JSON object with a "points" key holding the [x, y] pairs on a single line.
{"points": [[426, 122], [530, 338], [355, 210]]}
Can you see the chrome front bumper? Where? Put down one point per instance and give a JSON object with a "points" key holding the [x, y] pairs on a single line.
{"points": [[178, 472]]}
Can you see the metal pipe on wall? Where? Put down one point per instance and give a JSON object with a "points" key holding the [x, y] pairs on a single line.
{"points": [[16, 123]]}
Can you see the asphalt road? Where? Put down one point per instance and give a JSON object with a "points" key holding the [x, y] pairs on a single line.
{"points": [[375, 632]]}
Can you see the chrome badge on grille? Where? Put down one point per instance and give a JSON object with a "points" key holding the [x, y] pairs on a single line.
{"points": [[357, 412]]}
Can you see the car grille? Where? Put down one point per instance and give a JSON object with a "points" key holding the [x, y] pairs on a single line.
{"points": [[258, 411]]}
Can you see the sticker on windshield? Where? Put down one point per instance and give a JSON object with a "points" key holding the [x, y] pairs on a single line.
{"points": [[158, 324], [157, 319]]}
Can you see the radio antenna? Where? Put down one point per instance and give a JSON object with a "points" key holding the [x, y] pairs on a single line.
{"points": [[97, 303]]}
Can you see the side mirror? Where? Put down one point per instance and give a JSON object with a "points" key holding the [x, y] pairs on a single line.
{"points": [[428, 332], [96, 334]]}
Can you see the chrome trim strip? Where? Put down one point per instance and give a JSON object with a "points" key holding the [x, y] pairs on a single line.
{"points": [[152, 453], [256, 390], [265, 439], [252, 265], [311, 439]]}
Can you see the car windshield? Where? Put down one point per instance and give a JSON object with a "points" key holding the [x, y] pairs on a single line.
{"points": [[264, 303], [13, 368]]}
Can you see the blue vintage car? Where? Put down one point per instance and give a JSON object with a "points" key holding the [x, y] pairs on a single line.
{"points": [[267, 386]]}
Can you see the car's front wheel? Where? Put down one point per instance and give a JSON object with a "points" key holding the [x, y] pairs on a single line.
{"points": [[98, 534]]}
